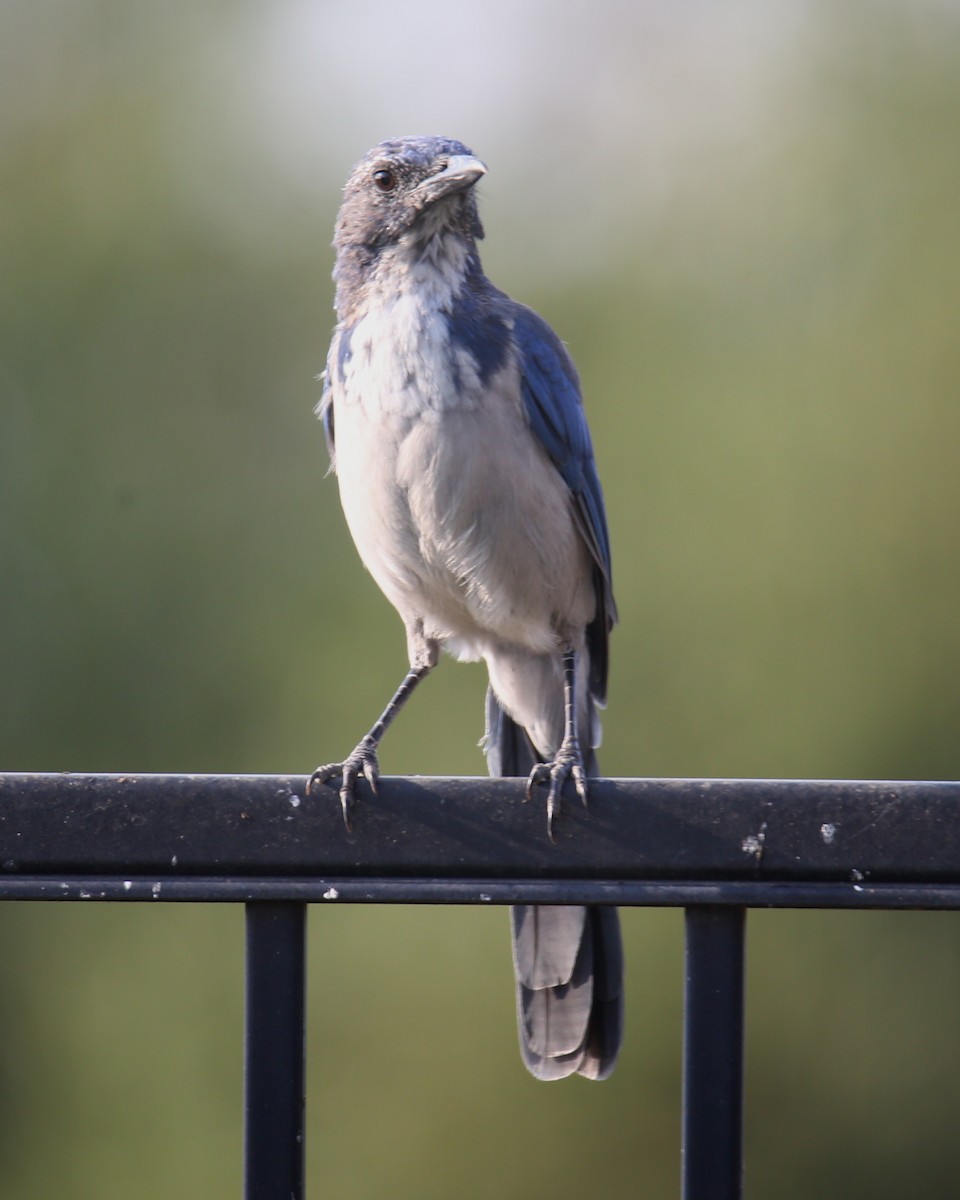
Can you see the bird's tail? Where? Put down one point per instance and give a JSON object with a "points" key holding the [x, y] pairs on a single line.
{"points": [[568, 960]]}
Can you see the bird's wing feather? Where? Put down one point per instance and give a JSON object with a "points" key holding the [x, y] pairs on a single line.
{"points": [[551, 395], [325, 406]]}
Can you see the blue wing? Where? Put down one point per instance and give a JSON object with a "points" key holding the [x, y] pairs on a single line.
{"points": [[325, 413], [551, 394], [337, 357]]}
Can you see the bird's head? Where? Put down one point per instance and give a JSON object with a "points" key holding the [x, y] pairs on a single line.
{"points": [[407, 192]]}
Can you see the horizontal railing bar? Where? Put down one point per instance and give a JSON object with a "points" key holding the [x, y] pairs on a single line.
{"points": [[623, 893], [166, 827]]}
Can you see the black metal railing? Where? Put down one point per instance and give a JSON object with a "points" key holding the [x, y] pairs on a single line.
{"points": [[713, 847]]}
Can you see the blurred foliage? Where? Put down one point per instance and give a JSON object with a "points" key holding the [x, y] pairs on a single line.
{"points": [[770, 355]]}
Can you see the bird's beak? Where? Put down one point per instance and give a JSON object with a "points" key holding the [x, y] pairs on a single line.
{"points": [[460, 172]]}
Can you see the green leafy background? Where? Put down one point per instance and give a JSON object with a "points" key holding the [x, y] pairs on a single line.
{"points": [[745, 221]]}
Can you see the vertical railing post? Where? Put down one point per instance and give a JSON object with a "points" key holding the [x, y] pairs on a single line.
{"points": [[274, 1051], [713, 1054]]}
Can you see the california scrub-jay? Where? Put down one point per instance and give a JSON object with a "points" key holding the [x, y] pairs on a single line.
{"points": [[469, 485]]}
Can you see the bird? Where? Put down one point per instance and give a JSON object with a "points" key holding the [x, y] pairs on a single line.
{"points": [[455, 426]]}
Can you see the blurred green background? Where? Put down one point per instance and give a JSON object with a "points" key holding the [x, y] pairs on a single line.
{"points": [[745, 221]]}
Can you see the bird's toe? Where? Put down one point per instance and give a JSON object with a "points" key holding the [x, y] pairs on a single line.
{"points": [[362, 761], [568, 764]]}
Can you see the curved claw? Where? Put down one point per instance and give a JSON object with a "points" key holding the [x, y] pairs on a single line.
{"points": [[362, 761], [568, 764]]}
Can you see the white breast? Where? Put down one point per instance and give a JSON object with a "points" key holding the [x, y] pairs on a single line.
{"points": [[454, 506]]}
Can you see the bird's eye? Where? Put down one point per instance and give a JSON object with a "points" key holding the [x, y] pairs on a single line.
{"points": [[385, 179]]}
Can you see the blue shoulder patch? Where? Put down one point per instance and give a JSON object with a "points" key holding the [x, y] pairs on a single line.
{"points": [[344, 351], [337, 358], [477, 327]]}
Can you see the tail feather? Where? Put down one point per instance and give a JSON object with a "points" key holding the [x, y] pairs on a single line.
{"points": [[605, 1031], [568, 960]]}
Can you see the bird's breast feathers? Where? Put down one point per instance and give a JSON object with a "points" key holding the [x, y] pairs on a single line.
{"points": [[399, 361], [450, 534]]}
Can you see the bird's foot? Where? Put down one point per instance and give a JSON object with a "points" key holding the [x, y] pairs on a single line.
{"points": [[568, 764], [362, 761]]}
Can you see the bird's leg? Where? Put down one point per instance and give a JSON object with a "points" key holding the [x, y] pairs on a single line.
{"points": [[363, 759], [568, 761]]}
